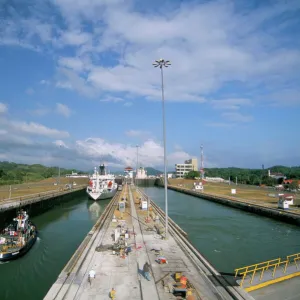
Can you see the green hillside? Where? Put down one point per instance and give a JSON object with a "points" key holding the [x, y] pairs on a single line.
{"points": [[152, 171], [12, 173], [253, 176]]}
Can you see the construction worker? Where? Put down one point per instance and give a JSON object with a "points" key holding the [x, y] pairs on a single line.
{"points": [[113, 294], [146, 270], [92, 274]]}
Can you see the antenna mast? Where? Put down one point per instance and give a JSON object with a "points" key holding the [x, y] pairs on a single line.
{"points": [[202, 163]]}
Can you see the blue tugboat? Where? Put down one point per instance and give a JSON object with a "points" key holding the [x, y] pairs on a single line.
{"points": [[18, 237]]}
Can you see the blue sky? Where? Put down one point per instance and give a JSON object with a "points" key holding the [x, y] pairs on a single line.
{"points": [[78, 86]]}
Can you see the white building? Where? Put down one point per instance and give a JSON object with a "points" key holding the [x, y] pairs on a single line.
{"points": [[189, 165], [75, 175], [141, 173], [128, 172]]}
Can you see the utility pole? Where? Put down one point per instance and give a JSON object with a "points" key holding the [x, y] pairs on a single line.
{"points": [[59, 168], [137, 160]]}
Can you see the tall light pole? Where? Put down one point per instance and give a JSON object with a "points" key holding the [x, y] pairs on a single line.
{"points": [[161, 63], [137, 160], [59, 168]]}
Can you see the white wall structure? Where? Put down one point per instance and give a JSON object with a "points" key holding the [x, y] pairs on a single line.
{"points": [[75, 175]]}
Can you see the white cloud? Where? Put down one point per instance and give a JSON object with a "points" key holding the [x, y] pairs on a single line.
{"points": [[45, 82], [29, 91], [112, 99], [63, 110], [64, 85], [209, 44], [219, 124], [60, 143], [2, 131], [137, 133], [230, 104], [75, 38], [237, 117], [128, 104], [178, 157], [74, 81], [72, 63], [285, 97], [3, 108], [42, 111], [150, 153], [19, 128]]}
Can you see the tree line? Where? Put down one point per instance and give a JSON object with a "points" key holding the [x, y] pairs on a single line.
{"points": [[13, 173], [250, 176]]}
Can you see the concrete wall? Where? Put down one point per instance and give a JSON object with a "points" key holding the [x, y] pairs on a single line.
{"points": [[145, 182], [37, 208], [281, 215]]}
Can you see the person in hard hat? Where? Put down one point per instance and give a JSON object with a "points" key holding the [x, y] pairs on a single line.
{"points": [[146, 270], [113, 294], [92, 274]]}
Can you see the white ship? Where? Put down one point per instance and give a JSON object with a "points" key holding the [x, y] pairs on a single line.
{"points": [[102, 185]]}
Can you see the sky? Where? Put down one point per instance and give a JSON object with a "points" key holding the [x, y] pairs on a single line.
{"points": [[77, 84]]}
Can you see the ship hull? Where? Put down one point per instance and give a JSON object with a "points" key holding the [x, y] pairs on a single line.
{"points": [[18, 253], [103, 195]]}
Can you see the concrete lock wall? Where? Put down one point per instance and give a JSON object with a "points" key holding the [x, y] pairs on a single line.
{"points": [[39, 207], [281, 215], [145, 182]]}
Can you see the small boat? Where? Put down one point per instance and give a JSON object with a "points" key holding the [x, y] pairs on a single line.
{"points": [[18, 237]]}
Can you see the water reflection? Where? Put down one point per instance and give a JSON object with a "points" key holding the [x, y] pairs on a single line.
{"points": [[94, 209]]}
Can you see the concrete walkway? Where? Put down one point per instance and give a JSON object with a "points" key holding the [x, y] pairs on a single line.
{"points": [[148, 288], [111, 271], [125, 274]]}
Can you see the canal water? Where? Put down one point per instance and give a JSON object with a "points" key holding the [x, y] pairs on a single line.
{"points": [[61, 230], [229, 238]]}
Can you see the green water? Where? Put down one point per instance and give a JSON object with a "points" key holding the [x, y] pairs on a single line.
{"points": [[227, 237], [61, 230]]}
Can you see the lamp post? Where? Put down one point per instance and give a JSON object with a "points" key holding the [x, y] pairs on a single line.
{"points": [[161, 63], [137, 160], [59, 168]]}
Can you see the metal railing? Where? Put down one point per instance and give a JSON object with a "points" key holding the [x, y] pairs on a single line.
{"points": [[273, 264]]}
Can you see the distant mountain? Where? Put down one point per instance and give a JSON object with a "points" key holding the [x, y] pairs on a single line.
{"points": [[152, 171]]}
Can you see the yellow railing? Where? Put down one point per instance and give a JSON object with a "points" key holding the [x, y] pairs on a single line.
{"points": [[266, 265]]}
